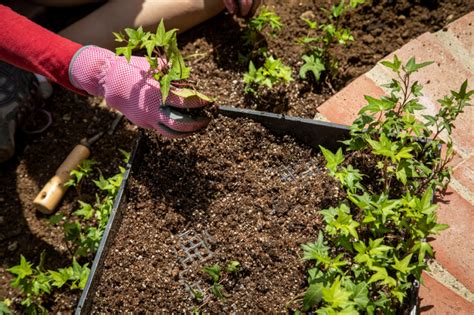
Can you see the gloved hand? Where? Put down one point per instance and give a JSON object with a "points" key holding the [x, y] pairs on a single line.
{"points": [[243, 8], [128, 88]]}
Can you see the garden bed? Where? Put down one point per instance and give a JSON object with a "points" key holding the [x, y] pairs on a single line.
{"points": [[236, 192], [29, 233]]}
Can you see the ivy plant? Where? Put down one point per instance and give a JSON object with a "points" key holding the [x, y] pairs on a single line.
{"points": [[272, 73], [317, 59], [161, 50], [374, 243]]}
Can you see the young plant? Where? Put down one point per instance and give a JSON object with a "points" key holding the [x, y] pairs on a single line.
{"points": [[265, 23], [35, 282], [317, 57], [218, 277], [374, 244], [273, 72], [84, 233], [77, 176], [161, 50]]}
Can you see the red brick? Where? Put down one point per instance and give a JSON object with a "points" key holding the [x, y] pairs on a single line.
{"points": [[454, 247], [343, 107], [463, 30], [464, 173], [436, 299]]}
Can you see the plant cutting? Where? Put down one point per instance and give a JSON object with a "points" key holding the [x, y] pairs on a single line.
{"points": [[374, 243], [166, 62]]}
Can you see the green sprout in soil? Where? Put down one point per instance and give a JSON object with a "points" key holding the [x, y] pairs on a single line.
{"points": [[266, 22], [374, 244], [321, 37], [159, 46], [272, 73], [218, 277]]}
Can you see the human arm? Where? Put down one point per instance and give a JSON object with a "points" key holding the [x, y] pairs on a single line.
{"points": [[97, 71]]}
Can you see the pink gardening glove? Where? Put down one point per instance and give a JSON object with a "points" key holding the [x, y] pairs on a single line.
{"points": [[243, 8], [128, 88]]}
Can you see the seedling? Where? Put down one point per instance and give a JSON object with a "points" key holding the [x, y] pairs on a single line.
{"points": [[317, 57], [374, 243], [83, 233], [266, 22], [272, 73], [77, 176], [166, 63], [218, 277], [35, 282]]}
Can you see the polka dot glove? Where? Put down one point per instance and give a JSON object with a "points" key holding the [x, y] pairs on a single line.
{"points": [[243, 8], [128, 88]]}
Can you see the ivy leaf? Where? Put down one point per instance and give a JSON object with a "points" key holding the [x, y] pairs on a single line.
{"points": [[403, 265], [312, 296], [312, 64], [395, 65], [23, 269], [411, 66], [165, 83], [376, 105], [335, 295], [333, 160]]}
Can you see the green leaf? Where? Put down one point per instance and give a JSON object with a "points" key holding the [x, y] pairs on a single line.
{"points": [[23, 269], [333, 160], [165, 83], [213, 271], [395, 65], [4, 309], [216, 290], [377, 105], [233, 266], [335, 295], [403, 265], [55, 219], [312, 64], [312, 296], [411, 66], [86, 211], [125, 51]]}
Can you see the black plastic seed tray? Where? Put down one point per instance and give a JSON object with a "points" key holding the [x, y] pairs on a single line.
{"points": [[307, 131]]}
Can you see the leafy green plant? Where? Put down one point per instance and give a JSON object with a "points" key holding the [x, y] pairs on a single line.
{"points": [[84, 232], [374, 244], [266, 22], [77, 176], [273, 72], [317, 57], [35, 282], [158, 46], [218, 277]]}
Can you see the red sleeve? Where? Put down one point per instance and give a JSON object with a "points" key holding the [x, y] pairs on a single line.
{"points": [[33, 48]]}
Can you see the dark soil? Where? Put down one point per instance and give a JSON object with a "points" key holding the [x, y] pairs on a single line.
{"points": [[379, 28], [212, 48], [253, 194]]}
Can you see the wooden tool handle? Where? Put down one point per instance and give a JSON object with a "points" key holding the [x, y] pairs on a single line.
{"points": [[51, 194]]}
